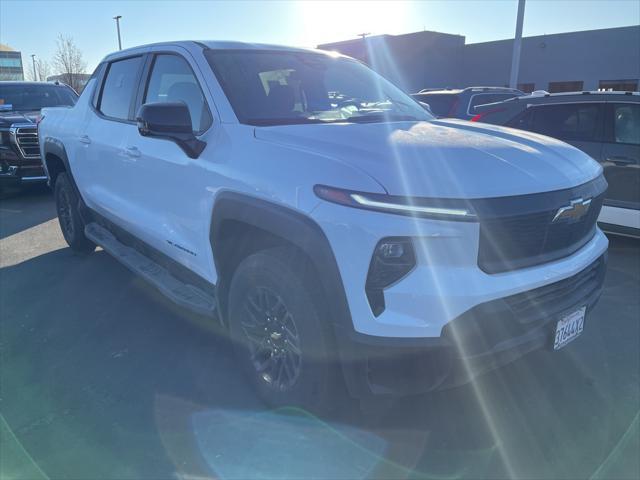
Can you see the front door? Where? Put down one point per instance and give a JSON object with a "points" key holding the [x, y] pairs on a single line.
{"points": [[171, 196]]}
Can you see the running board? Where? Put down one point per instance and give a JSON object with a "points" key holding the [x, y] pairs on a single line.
{"points": [[179, 292]]}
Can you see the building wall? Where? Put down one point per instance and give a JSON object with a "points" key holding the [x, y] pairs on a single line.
{"points": [[590, 56], [408, 60], [436, 60], [11, 66]]}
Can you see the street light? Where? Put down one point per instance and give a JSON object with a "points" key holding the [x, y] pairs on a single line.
{"points": [[117, 19], [517, 42], [33, 59]]}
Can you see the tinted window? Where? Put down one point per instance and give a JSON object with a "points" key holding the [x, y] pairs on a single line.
{"points": [[26, 97], [484, 98], [626, 124], [568, 122], [441, 104], [119, 86], [172, 80]]}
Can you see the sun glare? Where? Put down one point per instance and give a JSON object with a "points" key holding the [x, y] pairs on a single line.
{"points": [[325, 22]]}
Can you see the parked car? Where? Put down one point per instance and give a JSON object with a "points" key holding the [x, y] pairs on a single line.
{"points": [[461, 103], [340, 233], [606, 125], [20, 105]]}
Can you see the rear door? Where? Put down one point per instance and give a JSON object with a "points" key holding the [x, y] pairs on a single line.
{"points": [[107, 164], [621, 155], [579, 124]]}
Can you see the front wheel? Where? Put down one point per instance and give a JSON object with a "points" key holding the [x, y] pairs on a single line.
{"points": [[69, 218], [281, 337]]}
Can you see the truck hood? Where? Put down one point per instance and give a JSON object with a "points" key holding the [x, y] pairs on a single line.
{"points": [[446, 159], [9, 118]]}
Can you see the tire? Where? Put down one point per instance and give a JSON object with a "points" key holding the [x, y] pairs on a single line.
{"points": [[273, 291], [69, 218]]}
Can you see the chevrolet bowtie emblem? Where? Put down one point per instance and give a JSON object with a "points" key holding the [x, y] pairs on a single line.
{"points": [[574, 211]]}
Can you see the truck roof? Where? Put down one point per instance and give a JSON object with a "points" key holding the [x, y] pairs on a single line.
{"points": [[219, 45]]}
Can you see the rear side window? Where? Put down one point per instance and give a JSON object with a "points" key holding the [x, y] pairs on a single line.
{"points": [[484, 98], [119, 87], [442, 104], [172, 80], [626, 124], [576, 121]]}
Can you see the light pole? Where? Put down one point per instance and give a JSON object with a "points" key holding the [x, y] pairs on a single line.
{"points": [[517, 43], [33, 59], [117, 19]]}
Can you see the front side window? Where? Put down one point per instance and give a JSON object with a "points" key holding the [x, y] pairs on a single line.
{"points": [[573, 121], [626, 124], [275, 88], [172, 80], [119, 86]]}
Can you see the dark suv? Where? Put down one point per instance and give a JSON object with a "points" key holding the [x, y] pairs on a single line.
{"points": [[606, 125], [20, 105], [461, 103]]}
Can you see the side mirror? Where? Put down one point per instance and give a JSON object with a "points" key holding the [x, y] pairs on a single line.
{"points": [[170, 120]]}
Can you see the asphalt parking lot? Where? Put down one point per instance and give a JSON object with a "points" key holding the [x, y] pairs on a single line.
{"points": [[101, 377]]}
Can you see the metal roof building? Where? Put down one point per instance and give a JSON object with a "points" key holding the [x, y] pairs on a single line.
{"points": [[587, 60]]}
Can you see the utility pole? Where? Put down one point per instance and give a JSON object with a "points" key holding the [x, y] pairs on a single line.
{"points": [[517, 43], [117, 19], [365, 53], [33, 59]]}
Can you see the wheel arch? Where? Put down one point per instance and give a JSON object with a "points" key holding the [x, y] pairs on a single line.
{"points": [[242, 225]]}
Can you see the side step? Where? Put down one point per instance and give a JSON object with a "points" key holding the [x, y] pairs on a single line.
{"points": [[181, 293]]}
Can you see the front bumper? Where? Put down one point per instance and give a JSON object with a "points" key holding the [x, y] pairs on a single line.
{"points": [[15, 171], [485, 337]]}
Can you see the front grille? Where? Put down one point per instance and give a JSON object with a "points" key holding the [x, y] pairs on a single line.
{"points": [[525, 234], [27, 141]]}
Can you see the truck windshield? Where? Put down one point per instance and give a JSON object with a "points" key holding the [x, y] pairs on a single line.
{"points": [[30, 97], [280, 88]]}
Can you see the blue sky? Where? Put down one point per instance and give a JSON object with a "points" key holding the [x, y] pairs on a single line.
{"points": [[32, 26]]}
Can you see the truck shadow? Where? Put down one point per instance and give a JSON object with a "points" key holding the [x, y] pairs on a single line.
{"points": [[97, 362], [25, 208]]}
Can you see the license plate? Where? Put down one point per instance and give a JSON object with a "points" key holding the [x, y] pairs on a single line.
{"points": [[568, 328]]}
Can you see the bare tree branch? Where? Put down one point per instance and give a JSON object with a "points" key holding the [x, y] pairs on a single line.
{"points": [[68, 62]]}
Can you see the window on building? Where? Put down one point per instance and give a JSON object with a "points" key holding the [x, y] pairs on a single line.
{"points": [[527, 87], [119, 86], [571, 121], [619, 85], [573, 86], [626, 123], [172, 80]]}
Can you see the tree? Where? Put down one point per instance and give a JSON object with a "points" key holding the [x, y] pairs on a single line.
{"points": [[68, 62]]}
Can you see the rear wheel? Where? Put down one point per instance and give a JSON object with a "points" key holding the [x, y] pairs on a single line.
{"points": [[282, 339], [69, 218]]}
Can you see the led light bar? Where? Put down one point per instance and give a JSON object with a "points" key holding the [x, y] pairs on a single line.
{"points": [[452, 209]]}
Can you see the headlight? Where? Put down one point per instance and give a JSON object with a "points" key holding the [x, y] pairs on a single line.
{"points": [[436, 208]]}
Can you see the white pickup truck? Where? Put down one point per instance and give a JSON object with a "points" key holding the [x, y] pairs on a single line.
{"points": [[341, 233]]}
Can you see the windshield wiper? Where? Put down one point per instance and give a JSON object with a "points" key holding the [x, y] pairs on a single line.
{"points": [[380, 117], [264, 122]]}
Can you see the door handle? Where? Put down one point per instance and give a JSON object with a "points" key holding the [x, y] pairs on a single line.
{"points": [[132, 152], [84, 139], [621, 160]]}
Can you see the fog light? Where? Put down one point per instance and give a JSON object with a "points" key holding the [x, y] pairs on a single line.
{"points": [[393, 258]]}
